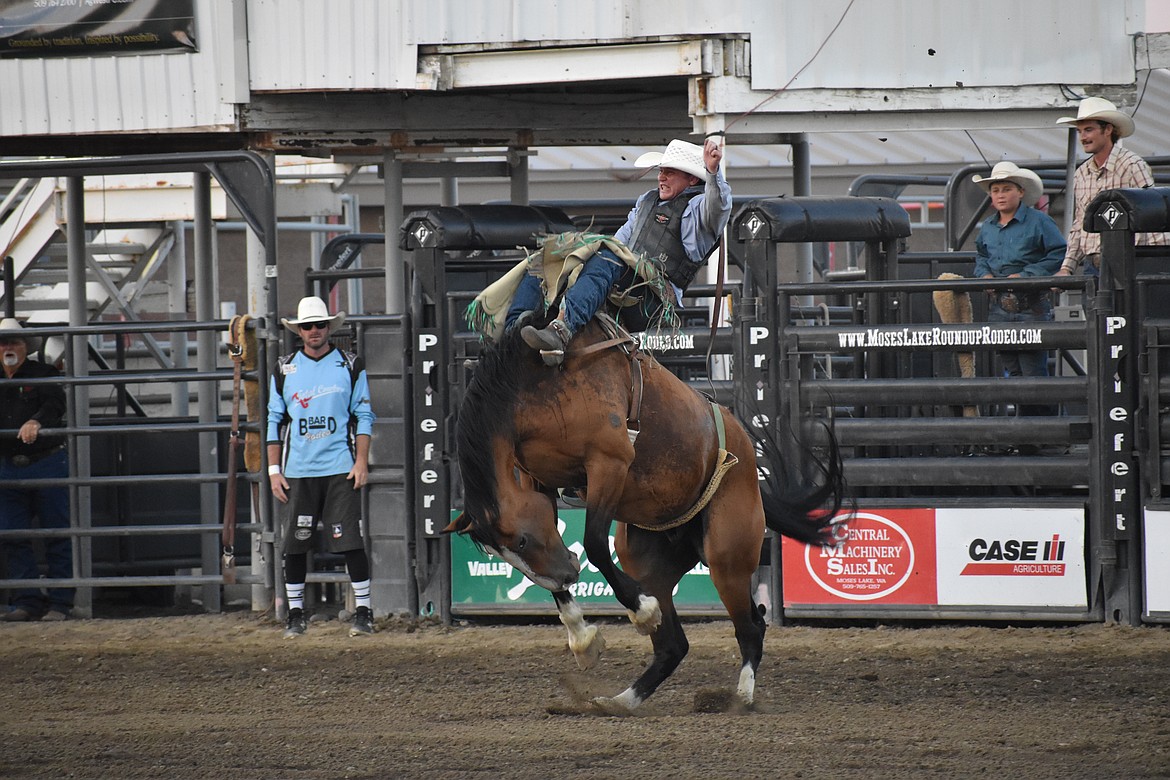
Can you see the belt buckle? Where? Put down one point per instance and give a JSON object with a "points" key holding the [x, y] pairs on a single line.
{"points": [[1009, 302], [21, 461]]}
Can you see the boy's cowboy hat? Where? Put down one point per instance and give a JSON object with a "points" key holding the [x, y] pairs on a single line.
{"points": [[1101, 110], [680, 155], [313, 309], [10, 327], [1009, 171]]}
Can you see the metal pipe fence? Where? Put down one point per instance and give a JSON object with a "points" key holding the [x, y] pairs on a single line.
{"points": [[124, 436]]}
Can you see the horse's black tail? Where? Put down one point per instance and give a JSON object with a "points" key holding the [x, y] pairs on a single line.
{"points": [[796, 506]]}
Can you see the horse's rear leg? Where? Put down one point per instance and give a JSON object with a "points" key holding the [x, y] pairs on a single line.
{"points": [[735, 593], [732, 549], [658, 563], [584, 639]]}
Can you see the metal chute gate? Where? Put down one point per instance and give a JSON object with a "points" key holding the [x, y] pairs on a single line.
{"points": [[952, 521]]}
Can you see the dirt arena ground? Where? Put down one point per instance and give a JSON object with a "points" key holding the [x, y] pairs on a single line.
{"points": [[218, 696]]}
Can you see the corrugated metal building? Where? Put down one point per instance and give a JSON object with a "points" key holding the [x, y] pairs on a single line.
{"points": [[576, 91], [285, 73]]}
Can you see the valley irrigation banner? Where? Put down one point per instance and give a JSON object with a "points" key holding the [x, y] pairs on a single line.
{"points": [[479, 580]]}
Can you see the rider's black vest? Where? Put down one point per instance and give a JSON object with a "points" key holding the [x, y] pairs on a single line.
{"points": [[657, 233]]}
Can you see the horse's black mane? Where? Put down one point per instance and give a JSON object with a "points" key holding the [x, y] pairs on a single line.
{"points": [[486, 413]]}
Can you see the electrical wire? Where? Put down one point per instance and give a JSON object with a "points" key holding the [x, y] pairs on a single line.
{"points": [[796, 75], [976, 145], [634, 176]]}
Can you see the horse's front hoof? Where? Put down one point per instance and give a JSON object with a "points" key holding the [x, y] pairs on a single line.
{"points": [[623, 704], [648, 617], [589, 651], [746, 689]]}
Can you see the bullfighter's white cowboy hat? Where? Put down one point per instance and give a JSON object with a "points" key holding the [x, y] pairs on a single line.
{"points": [[680, 155], [1101, 110], [1009, 171], [313, 309]]}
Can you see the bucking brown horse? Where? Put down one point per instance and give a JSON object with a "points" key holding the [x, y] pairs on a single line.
{"points": [[676, 472]]}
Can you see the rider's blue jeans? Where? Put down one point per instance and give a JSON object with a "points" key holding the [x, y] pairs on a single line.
{"points": [[50, 505], [582, 300]]}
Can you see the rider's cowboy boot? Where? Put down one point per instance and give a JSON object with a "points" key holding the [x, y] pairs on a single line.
{"points": [[552, 341], [553, 338]]}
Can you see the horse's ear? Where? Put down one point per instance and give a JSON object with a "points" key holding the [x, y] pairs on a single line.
{"points": [[459, 525]]}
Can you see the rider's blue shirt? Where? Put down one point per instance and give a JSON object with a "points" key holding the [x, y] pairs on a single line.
{"points": [[318, 398], [702, 221]]}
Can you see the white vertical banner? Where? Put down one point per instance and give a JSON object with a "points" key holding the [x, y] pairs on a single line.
{"points": [[1011, 556], [1157, 548]]}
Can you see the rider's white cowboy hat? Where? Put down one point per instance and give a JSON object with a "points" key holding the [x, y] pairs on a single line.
{"points": [[1101, 110], [313, 309], [680, 155], [8, 326], [1009, 171]]}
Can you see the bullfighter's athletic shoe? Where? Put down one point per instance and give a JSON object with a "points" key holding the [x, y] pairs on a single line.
{"points": [[296, 624], [363, 622]]}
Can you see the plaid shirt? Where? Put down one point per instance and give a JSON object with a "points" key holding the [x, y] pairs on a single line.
{"points": [[1123, 169]]}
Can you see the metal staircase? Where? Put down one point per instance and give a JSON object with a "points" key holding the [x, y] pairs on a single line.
{"points": [[120, 261], [130, 233]]}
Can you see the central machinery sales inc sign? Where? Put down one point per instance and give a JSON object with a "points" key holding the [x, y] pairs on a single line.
{"points": [[944, 557]]}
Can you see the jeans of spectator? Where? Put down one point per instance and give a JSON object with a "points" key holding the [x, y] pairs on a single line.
{"points": [[1025, 362], [582, 300], [50, 506]]}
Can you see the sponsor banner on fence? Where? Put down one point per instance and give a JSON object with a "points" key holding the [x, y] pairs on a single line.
{"points": [[1157, 549], [71, 28], [882, 557], [1012, 557], [945, 557], [478, 579], [938, 336]]}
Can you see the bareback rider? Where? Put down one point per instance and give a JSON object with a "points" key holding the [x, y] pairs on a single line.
{"points": [[676, 225]]}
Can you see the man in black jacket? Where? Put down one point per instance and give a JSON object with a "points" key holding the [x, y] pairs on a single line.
{"points": [[27, 454]]}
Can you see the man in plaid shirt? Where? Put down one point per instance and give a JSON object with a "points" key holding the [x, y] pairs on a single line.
{"points": [[1100, 126]]}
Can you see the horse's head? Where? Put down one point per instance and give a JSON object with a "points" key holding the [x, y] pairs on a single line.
{"points": [[523, 531], [504, 511]]}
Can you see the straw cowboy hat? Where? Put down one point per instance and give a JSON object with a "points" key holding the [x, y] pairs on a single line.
{"points": [[680, 155], [10, 327], [313, 309], [1101, 110], [1009, 171]]}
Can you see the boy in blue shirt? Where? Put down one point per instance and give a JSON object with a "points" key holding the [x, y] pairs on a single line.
{"points": [[322, 397], [1018, 241]]}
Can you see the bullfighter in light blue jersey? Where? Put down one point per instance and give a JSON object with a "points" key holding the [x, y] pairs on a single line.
{"points": [[319, 398]]}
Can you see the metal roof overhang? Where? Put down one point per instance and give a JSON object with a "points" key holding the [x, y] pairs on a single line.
{"points": [[602, 94]]}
